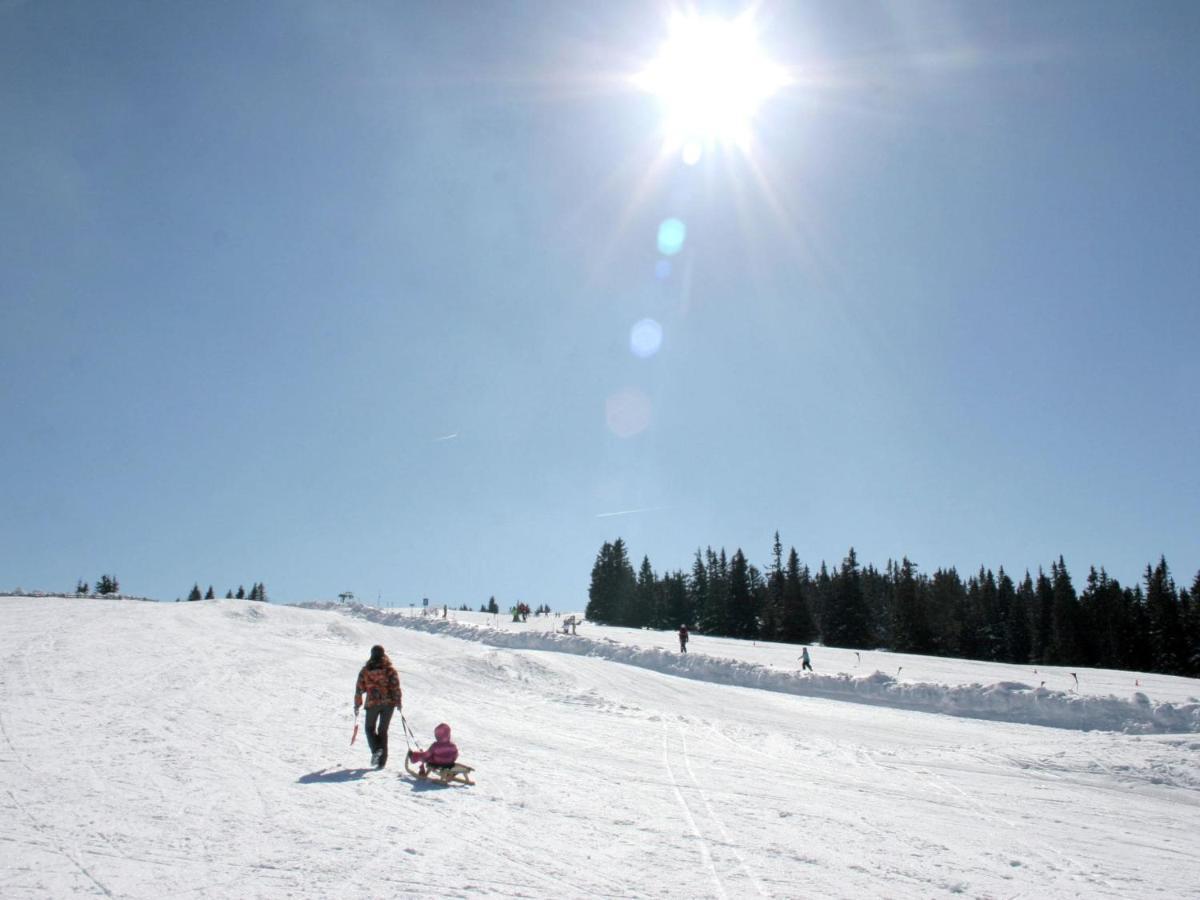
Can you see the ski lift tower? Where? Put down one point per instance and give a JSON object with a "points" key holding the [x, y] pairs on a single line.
{"points": [[346, 596]]}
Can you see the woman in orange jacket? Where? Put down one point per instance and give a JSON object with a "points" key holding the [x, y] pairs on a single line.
{"points": [[379, 681]]}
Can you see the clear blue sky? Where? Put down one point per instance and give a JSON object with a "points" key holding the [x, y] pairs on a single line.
{"points": [[339, 296]]}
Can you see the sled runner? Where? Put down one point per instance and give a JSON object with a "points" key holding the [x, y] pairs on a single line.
{"points": [[455, 774]]}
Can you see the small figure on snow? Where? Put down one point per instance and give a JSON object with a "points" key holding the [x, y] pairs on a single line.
{"points": [[683, 638], [441, 753], [440, 761], [379, 681], [805, 662]]}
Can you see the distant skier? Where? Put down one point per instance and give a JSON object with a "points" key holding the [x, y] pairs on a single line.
{"points": [[441, 754], [683, 638], [805, 662], [379, 681]]}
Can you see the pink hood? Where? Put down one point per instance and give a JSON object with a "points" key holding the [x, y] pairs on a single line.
{"points": [[442, 732]]}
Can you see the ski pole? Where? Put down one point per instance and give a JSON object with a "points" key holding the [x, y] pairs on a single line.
{"points": [[355, 734]]}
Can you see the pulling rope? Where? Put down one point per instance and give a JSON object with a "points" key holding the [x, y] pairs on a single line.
{"points": [[408, 732]]}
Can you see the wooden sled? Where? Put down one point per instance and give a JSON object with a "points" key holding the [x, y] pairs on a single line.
{"points": [[455, 774]]}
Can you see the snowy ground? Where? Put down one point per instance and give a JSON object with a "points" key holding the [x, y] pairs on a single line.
{"points": [[201, 749]]}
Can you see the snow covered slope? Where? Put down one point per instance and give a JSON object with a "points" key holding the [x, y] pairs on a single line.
{"points": [[201, 749], [1083, 706]]}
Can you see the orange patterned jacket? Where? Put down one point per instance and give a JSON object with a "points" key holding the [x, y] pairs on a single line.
{"points": [[381, 685]]}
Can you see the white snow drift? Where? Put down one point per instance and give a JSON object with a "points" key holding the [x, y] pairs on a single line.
{"points": [[1005, 701]]}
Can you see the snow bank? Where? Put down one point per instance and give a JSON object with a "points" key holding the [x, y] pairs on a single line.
{"points": [[1005, 701], [59, 595]]}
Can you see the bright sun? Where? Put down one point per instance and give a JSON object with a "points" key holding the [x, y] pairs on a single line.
{"points": [[711, 77]]}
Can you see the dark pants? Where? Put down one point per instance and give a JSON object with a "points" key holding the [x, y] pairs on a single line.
{"points": [[378, 720], [806, 665]]}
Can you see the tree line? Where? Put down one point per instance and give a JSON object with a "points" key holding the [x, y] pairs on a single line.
{"points": [[1152, 626], [105, 585], [257, 592]]}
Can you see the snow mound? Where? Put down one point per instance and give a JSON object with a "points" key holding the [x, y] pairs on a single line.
{"points": [[1005, 701]]}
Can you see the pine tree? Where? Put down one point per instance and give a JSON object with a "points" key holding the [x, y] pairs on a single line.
{"points": [[1064, 644], [823, 597], [600, 601], [209, 595], [714, 617], [1192, 629], [241, 593], [1019, 633], [624, 583], [1093, 637], [990, 644], [877, 603], [1167, 640], [1013, 625], [676, 602], [81, 586], [797, 624], [697, 591], [642, 611], [612, 593], [743, 617], [229, 594], [969, 619], [910, 627], [946, 595], [772, 606], [1043, 619], [849, 623], [262, 593], [194, 593]]}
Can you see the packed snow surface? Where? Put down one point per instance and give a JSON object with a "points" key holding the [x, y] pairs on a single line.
{"points": [[203, 749]]}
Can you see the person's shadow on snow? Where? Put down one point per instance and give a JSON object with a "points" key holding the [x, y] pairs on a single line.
{"points": [[332, 776]]}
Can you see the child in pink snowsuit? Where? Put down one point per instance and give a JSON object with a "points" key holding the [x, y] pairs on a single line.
{"points": [[441, 752]]}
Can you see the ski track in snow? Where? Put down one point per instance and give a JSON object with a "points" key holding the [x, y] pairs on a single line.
{"points": [[712, 813], [701, 842], [202, 750]]}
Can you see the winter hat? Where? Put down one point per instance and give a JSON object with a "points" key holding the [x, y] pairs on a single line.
{"points": [[442, 732], [377, 653]]}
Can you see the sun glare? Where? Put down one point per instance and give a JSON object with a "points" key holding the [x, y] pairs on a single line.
{"points": [[711, 77]]}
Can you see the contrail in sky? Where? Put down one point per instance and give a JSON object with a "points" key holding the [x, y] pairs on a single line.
{"points": [[630, 512], [446, 437]]}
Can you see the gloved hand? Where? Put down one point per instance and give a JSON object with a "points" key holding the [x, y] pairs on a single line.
{"points": [[356, 712]]}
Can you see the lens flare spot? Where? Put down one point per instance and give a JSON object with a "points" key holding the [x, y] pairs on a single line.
{"points": [[692, 151], [627, 412], [671, 235], [645, 338], [662, 269]]}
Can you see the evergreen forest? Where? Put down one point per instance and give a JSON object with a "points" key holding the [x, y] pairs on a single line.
{"points": [[1153, 626]]}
